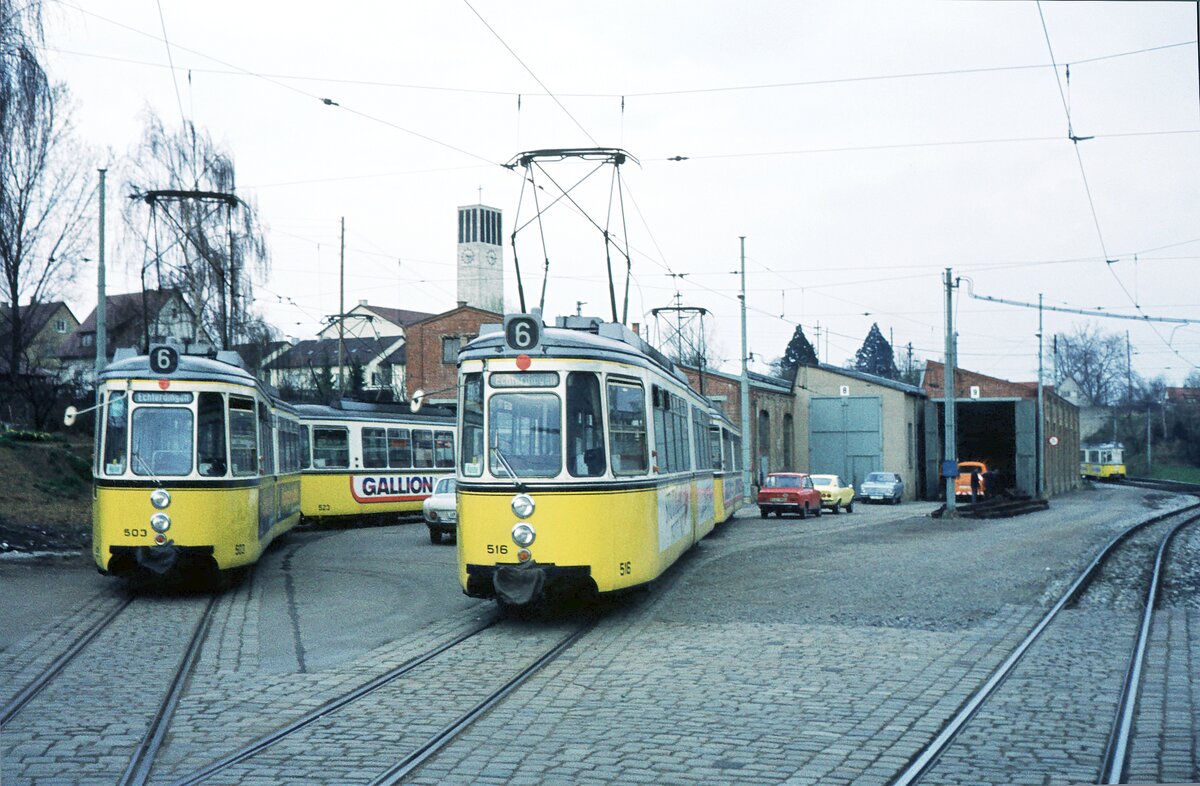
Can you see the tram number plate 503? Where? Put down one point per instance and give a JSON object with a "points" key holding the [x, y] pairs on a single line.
{"points": [[497, 549], [135, 532]]}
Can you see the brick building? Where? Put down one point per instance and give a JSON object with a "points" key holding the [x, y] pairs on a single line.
{"points": [[997, 424], [432, 346], [773, 438]]}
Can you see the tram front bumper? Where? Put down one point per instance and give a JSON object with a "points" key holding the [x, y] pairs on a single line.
{"points": [[518, 584]]}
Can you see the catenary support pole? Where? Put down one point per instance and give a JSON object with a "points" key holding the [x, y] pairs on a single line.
{"points": [[341, 317], [1040, 431], [950, 449], [745, 384], [101, 317]]}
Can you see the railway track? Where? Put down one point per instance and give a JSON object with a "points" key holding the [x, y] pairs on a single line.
{"points": [[419, 753], [1115, 757], [142, 758]]}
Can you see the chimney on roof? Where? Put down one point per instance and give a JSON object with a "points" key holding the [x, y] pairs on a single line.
{"points": [[637, 328], [462, 304], [362, 302]]}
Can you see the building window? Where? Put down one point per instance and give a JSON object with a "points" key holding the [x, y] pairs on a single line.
{"points": [[450, 347], [88, 339], [60, 326], [788, 436]]}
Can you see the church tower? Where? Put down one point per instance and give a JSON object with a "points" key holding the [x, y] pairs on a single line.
{"points": [[480, 258]]}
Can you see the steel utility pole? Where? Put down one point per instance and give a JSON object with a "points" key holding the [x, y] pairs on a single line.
{"points": [[950, 449], [745, 384], [342, 311], [1040, 431], [101, 299]]}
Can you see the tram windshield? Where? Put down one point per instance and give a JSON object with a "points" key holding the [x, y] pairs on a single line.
{"points": [[162, 441], [527, 429]]}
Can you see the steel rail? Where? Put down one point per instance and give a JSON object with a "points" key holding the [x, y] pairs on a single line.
{"points": [[1116, 752], [26, 694], [441, 739], [138, 771], [924, 761], [252, 748]]}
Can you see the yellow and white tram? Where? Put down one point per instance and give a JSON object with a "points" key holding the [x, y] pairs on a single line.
{"points": [[726, 446], [585, 461], [1102, 462], [362, 459], [197, 465]]}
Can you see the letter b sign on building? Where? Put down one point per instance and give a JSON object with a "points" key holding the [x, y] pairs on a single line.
{"points": [[522, 332]]}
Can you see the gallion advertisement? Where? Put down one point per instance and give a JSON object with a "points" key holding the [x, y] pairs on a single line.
{"points": [[391, 488]]}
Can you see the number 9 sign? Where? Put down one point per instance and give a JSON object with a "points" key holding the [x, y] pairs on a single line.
{"points": [[163, 360], [522, 332]]}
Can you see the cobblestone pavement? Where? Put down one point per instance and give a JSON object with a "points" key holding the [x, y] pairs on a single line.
{"points": [[819, 651]]}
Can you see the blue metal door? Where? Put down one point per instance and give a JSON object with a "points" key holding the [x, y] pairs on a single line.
{"points": [[845, 436]]}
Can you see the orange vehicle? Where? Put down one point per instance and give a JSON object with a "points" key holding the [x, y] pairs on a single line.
{"points": [[962, 485]]}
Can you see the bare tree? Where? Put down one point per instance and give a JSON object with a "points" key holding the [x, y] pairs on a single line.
{"points": [[200, 239], [45, 183], [1098, 362]]}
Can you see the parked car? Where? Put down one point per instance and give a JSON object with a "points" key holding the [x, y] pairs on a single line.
{"points": [[962, 484], [441, 511], [788, 492], [835, 494], [881, 487]]}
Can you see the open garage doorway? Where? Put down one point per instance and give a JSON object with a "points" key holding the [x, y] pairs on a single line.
{"points": [[1000, 433]]}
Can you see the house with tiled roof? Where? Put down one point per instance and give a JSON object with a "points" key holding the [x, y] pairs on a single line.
{"points": [[369, 364], [46, 327], [134, 319], [365, 320]]}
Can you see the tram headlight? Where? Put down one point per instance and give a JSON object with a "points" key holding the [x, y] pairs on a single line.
{"points": [[160, 498], [522, 506], [160, 522], [523, 535]]}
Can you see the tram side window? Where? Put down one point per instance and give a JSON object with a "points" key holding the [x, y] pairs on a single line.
{"points": [[162, 441], [210, 435], [374, 448], [266, 441], [116, 433], [704, 457], [585, 425], [243, 437], [399, 448], [422, 448], [331, 447], [627, 428], [289, 446], [443, 449], [714, 449], [471, 462], [305, 449], [661, 423]]}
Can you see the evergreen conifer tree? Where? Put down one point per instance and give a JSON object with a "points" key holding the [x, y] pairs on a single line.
{"points": [[875, 356], [799, 353]]}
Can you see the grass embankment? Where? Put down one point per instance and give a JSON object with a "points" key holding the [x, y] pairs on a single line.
{"points": [[45, 492], [1176, 472]]}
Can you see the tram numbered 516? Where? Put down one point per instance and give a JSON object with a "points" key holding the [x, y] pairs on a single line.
{"points": [[586, 465]]}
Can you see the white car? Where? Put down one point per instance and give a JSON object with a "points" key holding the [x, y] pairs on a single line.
{"points": [[441, 511], [882, 487]]}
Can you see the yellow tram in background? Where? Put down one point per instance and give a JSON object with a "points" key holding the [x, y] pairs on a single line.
{"points": [[1102, 462], [361, 459], [197, 465], [585, 462]]}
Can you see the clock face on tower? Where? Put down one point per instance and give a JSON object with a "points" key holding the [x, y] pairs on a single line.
{"points": [[467, 255], [492, 256]]}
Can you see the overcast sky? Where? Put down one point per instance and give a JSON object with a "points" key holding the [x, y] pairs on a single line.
{"points": [[859, 147]]}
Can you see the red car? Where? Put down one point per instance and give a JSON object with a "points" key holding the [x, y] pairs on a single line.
{"points": [[792, 492]]}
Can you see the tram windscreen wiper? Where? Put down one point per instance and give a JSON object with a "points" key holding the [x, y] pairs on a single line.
{"points": [[508, 468]]}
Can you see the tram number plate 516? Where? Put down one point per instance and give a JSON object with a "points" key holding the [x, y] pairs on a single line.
{"points": [[497, 549], [626, 568]]}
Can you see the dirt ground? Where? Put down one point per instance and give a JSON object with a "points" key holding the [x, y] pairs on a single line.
{"points": [[45, 495]]}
